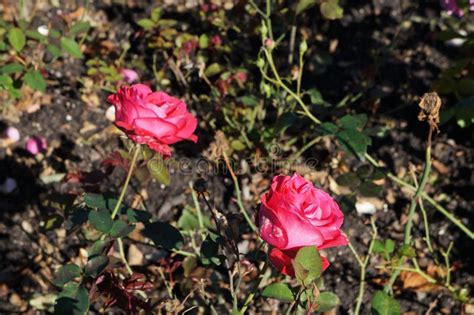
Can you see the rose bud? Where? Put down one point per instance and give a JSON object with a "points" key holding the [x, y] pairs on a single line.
{"points": [[35, 145], [295, 214], [152, 118]]}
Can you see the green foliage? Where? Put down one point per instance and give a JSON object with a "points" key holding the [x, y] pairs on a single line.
{"points": [[35, 80], [383, 304], [209, 250], [71, 47], [307, 265], [73, 299], [101, 220], [121, 229], [331, 9], [163, 235], [386, 248], [96, 265], [279, 291], [66, 274], [327, 301], [17, 38]]}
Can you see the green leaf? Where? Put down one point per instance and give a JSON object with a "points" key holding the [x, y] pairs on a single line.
{"points": [[54, 50], [158, 170], [96, 265], [35, 80], [12, 68], [209, 250], [71, 47], [383, 304], [101, 220], [73, 299], [407, 251], [331, 10], [98, 248], [203, 41], [189, 264], [35, 35], [304, 5], [135, 216], [329, 128], [188, 221], [353, 121], [369, 189], [212, 70], [379, 247], [308, 264], [163, 234], [156, 14], [327, 301], [316, 97], [66, 274], [237, 145], [389, 246], [17, 38], [349, 180], [121, 229], [279, 291], [147, 24], [354, 142], [79, 27]]}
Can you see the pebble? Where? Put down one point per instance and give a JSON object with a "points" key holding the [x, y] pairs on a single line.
{"points": [[365, 207], [8, 186], [26, 226], [68, 117], [110, 113]]}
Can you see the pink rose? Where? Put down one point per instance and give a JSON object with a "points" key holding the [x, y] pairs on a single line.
{"points": [[294, 214], [129, 75], [152, 118]]}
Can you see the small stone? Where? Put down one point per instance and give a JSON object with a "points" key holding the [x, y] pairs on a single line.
{"points": [[110, 113], [8, 186], [134, 256], [26, 226]]}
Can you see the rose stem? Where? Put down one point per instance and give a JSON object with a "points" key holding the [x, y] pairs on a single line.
{"points": [[136, 150], [411, 212], [363, 265], [249, 299]]}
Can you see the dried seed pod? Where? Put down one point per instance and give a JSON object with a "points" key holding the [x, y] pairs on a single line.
{"points": [[430, 104]]}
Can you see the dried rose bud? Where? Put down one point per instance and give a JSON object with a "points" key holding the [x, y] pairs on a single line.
{"points": [[430, 104]]}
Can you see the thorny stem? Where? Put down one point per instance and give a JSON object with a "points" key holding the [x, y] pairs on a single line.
{"points": [[414, 201], [363, 265]]}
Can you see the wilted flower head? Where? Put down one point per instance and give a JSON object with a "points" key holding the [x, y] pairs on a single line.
{"points": [[129, 75]]}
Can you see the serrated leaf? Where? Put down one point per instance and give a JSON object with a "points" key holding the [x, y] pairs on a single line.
{"points": [[101, 220], [378, 247], [307, 264], [66, 274], [159, 171], [79, 27], [147, 24], [73, 299], [121, 229], [353, 121], [354, 142], [383, 304], [98, 248], [96, 265], [163, 235], [12, 68], [327, 301], [35, 35], [71, 47], [35, 80], [279, 291], [329, 128], [17, 38]]}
